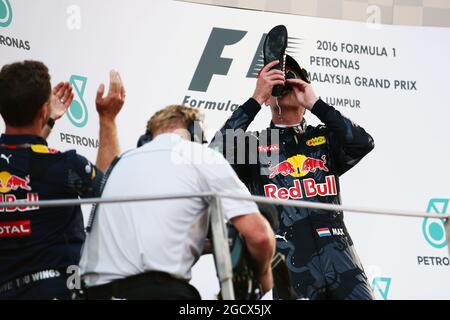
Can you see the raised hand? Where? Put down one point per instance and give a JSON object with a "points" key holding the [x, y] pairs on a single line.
{"points": [[61, 99], [304, 93], [109, 106], [267, 79]]}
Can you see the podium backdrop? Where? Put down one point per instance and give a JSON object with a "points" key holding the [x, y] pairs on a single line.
{"points": [[392, 80]]}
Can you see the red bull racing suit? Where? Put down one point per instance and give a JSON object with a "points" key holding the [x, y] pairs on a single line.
{"points": [[39, 246], [305, 163]]}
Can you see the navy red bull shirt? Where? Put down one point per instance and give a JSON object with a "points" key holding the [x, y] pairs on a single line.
{"points": [[31, 238], [303, 162], [293, 163]]}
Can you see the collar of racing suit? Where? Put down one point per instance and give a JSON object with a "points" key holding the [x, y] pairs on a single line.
{"points": [[286, 126], [299, 128], [15, 139]]}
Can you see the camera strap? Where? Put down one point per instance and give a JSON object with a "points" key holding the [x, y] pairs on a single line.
{"points": [[102, 187]]}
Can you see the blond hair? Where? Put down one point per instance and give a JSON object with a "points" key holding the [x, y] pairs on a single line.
{"points": [[172, 115]]}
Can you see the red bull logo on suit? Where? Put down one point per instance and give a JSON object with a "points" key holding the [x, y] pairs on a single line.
{"points": [[298, 166], [9, 183], [311, 187]]}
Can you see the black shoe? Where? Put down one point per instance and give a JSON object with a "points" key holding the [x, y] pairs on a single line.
{"points": [[274, 49], [291, 63]]}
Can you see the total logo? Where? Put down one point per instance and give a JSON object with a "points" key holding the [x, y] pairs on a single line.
{"points": [[15, 229], [10, 182], [433, 231], [298, 166], [6, 13]]}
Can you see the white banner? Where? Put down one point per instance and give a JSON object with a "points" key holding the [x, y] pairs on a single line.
{"points": [[391, 80]]}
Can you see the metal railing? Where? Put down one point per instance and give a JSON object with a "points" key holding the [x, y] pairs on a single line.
{"points": [[218, 226]]}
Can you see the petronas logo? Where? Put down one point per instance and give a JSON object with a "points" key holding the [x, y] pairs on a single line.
{"points": [[5, 13], [382, 286], [78, 112], [434, 229]]}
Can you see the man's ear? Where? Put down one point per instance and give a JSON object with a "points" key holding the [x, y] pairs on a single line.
{"points": [[44, 112]]}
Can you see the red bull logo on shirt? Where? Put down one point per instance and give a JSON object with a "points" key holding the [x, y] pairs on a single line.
{"points": [[10, 182], [311, 187], [298, 166], [11, 198]]}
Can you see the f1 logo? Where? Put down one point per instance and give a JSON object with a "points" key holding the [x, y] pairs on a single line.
{"points": [[212, 62]]}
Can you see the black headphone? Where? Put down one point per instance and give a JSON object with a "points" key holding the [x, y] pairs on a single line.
{"points": [[194, 128], [145, 138]]}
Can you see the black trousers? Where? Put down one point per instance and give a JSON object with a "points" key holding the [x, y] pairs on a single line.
{"points": [[146, 286]]}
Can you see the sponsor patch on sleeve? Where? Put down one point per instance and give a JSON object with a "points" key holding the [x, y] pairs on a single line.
{"points": [[271, 148], [317, 141]]}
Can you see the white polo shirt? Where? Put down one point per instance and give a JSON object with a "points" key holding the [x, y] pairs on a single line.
{"points": [[168, 236]]}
